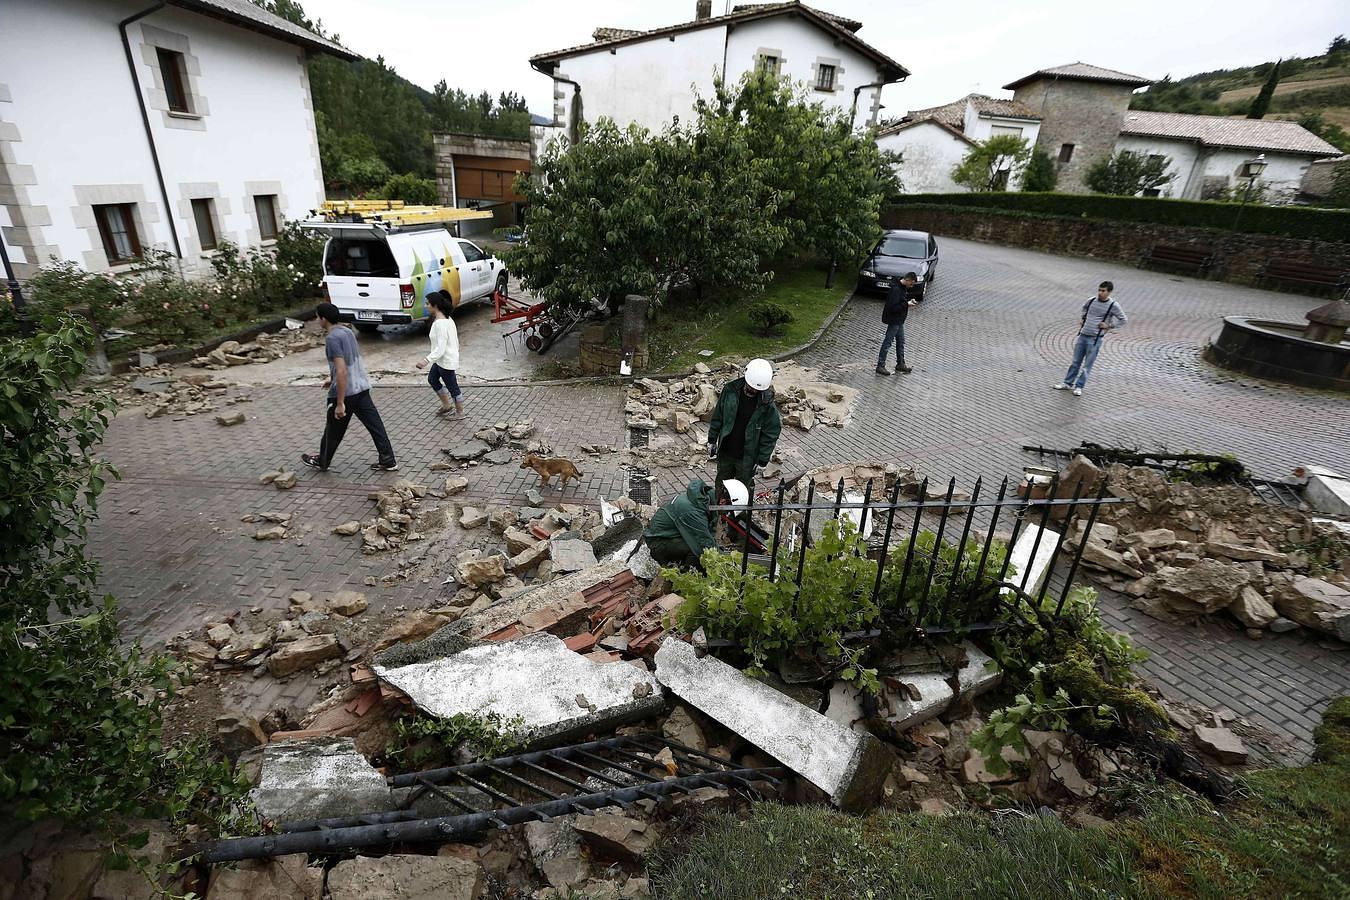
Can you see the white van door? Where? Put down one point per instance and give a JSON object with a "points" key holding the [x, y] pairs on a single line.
{"points": [[476, 274]]}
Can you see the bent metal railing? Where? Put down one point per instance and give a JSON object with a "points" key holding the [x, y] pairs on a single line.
{"points": [[975, 585], [507, 791]]}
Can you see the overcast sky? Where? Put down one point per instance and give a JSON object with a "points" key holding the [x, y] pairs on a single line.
{"points": [[952, 47]]}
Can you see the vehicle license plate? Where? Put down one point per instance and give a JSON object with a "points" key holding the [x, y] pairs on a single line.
{"points": [[881, 283], [367, 315]]}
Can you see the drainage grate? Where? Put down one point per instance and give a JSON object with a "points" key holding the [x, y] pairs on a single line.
{"points": [[639, 486], [638, 438], [445, 805]]}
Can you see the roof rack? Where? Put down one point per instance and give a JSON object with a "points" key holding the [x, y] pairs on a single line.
{"points": [[390, 215]]}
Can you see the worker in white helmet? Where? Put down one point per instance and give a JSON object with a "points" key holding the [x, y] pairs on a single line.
{"points": [[683, 528], [745, 425]]}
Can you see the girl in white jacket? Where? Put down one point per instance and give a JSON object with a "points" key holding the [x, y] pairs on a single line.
{"points": [[444, 355]]}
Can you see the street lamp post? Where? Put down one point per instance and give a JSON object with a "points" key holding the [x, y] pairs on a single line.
{"points": [[15, 291], [1251, 170]]}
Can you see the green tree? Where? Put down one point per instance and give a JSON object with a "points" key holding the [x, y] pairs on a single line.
{"points": [[1129, 174], [1261, 104], [81, 736], [1340, 186], [1040, 174], [992, 164], [410, 189], [1327, 131]]}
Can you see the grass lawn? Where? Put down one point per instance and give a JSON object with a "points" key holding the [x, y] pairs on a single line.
{"points": [[678, 333], [1288, 837]]}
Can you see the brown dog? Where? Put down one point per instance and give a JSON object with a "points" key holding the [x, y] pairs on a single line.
{"points": [[547, 468]]}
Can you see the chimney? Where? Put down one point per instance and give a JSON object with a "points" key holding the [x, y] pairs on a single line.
{"points": [[702, 10]]}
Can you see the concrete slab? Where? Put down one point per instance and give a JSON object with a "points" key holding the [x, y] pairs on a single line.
{"points": [[318, 779], [980, 673], [1031, 573], [914, 699], [558, 694], [849, 767], [1327, 491]]}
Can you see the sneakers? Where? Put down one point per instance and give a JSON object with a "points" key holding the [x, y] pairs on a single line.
{"points": [[1061, 386], [1078, 392], [881, 370], [382, 467], [312, 460]]}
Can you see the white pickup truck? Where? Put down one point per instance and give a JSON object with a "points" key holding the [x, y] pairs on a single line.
{"points": [[380, 275]]}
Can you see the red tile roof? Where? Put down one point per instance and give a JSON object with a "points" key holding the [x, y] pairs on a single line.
{"points": [[1080, 71], [1219, 131]]}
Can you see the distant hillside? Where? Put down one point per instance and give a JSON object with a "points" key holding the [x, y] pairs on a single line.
{"points": [[1313, 91]]}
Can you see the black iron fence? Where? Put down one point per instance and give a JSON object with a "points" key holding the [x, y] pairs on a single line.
{"points": [[940, 563]]}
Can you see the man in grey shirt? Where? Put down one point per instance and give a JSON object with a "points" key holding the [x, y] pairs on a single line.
{"points": [[348, 395], [1100, 315]]}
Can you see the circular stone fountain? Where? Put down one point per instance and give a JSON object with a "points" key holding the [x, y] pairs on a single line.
{"points": [[1314, 355]]}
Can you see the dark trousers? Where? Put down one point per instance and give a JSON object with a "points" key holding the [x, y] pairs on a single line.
{"points": [[672, 552], [895, 333], [362, 407], [443, 381]]}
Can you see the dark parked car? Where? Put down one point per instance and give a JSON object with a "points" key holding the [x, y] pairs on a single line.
{"points": [[895, 254]]}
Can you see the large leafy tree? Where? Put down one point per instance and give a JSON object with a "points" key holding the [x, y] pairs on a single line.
{"points": [[992, 164], [1129, 173]]}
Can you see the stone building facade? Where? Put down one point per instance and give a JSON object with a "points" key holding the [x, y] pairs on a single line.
{"points": [[1081, 108]]}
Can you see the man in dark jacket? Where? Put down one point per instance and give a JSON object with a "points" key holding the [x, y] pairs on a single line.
{"points": [[745, 425], [683, 528], [893, 317]]}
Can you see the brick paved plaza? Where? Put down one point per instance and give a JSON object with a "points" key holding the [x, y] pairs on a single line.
{"points": [[994, 334]]}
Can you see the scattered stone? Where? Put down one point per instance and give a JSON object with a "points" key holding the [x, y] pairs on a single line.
{"points": [[232, 419], [936, 806], [1222, 744], [455, 484], [468, 451], [497, 457], [849, 767], [318, 779], [348, 603], [481, 571], [220, 634], [1251, 609], [347, 529], [412, 627], [1242, 553], [275, 533], [472, 517], [285, 481], [283, 877], [1207, 586], [616, 836], [406, 877], [1094, 554], [302, 654], [681, 728], [1317, 604], [1153, 539], [1282, 625], [571, 555], [500, 519], [556, 853], [237, 733]]}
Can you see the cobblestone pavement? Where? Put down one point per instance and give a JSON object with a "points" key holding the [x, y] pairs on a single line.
{"points": [[993, 336]]}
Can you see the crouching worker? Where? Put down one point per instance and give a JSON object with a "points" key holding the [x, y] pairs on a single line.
{"points": [[683, 528]]}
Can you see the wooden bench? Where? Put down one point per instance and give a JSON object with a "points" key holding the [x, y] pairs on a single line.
{"points": [[1303, 273], [1184, 256]]}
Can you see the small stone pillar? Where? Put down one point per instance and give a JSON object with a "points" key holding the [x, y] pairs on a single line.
{"points": [[1327, 324], [634, 337]]}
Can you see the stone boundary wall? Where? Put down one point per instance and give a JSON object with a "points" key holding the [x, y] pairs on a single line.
{"points": [[1239, 257]]}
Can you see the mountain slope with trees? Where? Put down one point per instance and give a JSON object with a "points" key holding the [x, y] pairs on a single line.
{"points": [[1313, 91], [374, 124]]}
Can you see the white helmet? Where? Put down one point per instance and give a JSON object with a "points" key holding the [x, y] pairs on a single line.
{"points": [[759, 374], [738, 493]]}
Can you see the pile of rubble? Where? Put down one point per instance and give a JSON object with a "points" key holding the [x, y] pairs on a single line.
{"points": [[263, 348], [164, 393], [803, 398], [1183, 550], [493, 444]]}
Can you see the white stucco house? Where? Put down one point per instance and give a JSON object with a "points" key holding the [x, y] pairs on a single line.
{"points": [[652, 77], [1207, 152], [127, 124], [932, 141]]}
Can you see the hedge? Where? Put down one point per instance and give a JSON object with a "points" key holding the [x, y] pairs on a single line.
{"points": [[1290, 221]]}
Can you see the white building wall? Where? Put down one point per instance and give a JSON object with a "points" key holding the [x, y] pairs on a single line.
{"points": [[648, 83], [74, 108], [802, 47], [651, 82], [930, 153], [1193, 164]]}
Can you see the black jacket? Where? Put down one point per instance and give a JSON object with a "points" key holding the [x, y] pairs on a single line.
{"points": [[897, 305]]}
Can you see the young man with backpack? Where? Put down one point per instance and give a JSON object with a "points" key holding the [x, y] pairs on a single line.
{"points": [[1100, 315]]}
